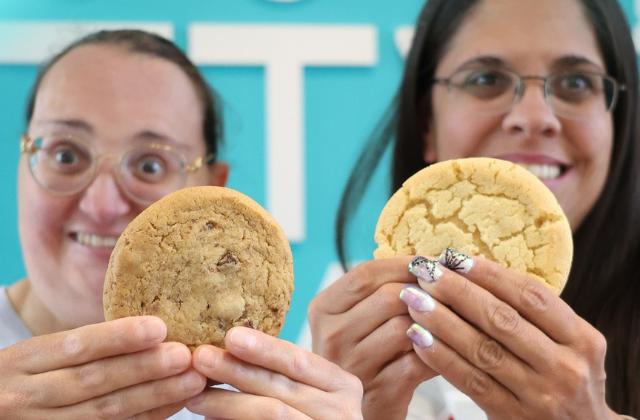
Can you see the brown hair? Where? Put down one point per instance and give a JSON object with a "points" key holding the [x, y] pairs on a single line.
{"points": [[151, 44], [604, 284]]}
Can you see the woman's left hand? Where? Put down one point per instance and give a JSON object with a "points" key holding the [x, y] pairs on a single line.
{"points": [[509, 343], [276, 379]]}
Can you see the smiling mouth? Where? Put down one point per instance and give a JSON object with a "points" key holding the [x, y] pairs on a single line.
{"points": [[93, 240], [545, 171]]}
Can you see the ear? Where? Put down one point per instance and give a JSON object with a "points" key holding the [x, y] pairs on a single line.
{"points": [[429, 153], [218, 173]]}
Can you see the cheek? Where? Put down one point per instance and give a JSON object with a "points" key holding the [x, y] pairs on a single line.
{"points": [[41, 218], [592, 144], [459, 135]]}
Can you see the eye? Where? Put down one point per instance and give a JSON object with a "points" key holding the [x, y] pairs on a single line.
{"points": [[576, 82], [65, 156], [576, 87], [486, 83], [150, 168], [485, 78]]}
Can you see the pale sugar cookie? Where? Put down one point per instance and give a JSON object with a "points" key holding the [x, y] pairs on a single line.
{"points": [[479, 206]]}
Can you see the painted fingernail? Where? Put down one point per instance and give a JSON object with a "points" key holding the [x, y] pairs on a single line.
{"points": [[425, 269], [455, 260], [420, 336], [417, 299]]}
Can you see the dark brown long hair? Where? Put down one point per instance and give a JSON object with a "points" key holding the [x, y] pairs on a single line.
{"points": [[143, 42], [604, 284]]}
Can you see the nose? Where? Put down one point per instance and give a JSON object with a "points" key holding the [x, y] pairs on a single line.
{"points": [[531, 116], [103, 200]]}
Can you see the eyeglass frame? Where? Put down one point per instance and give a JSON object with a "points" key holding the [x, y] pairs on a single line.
{"points": [[28, 147], [520, 86]]}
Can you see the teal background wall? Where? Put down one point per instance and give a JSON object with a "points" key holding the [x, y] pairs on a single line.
{"points": [[342, 106]]}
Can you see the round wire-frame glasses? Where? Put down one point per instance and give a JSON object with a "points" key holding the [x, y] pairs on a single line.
{"points": [[65, 166]]}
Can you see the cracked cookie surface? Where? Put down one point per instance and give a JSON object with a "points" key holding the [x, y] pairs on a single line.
{"points": [[204, 259], [479, 206]]}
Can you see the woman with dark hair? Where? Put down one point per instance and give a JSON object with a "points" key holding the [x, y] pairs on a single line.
{"points": [[116, 121], [507, 79]]}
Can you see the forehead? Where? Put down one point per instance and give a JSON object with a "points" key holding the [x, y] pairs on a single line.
{"points": [[528, 34], [111, 87]]}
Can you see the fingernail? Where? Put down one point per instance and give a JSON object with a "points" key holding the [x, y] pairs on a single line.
{"points": [[425, 269], [420, 336], [191, 381], [178, 358], [241, 338], [152, 329], [417, 299], [206, 357], [196, 401], [455, 260]]}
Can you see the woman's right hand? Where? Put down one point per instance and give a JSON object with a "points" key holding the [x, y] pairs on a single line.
{"points": [[360, 323], [116, 369]]}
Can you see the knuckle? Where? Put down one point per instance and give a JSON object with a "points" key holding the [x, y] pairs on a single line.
{"points": [[72, 344], [595, 346], [388, 295], [413, 370], [108, 407], [345, 408], [300, 362], [92, 375], [552, 406], [12, 401], [397, 327], [347, 382], [575, 372], [492, 272], [477, 384], [504, 318], [314, 313], [489, 355], [534, 296], [276, 410], [358, 280]]}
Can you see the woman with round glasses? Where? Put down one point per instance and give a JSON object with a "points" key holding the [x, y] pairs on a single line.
{"points": [[551, 85], [116, 121]]}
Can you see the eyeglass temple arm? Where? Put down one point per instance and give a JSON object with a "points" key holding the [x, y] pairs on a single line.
{"points": [[27, 144], [199, 162]]}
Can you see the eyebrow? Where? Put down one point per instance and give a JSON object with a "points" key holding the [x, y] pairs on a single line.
{"points": [[574, 61], [142, 136], [69, 123], [565, 61], [486, 60]]}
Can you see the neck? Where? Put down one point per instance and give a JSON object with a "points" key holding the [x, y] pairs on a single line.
{"points": [[35, 315]]}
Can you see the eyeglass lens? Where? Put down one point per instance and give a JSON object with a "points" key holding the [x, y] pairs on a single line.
{"points": [[571, 94], [66, 166]]}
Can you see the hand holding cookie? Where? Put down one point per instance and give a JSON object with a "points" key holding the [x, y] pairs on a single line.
{"points": [[493, 324], [117, 369], [359, 323], [276, 379], [209, 260], [507, 341]]}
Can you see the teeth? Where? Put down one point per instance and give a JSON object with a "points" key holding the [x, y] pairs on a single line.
{"points": [[96, 240], [543, 171]]}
